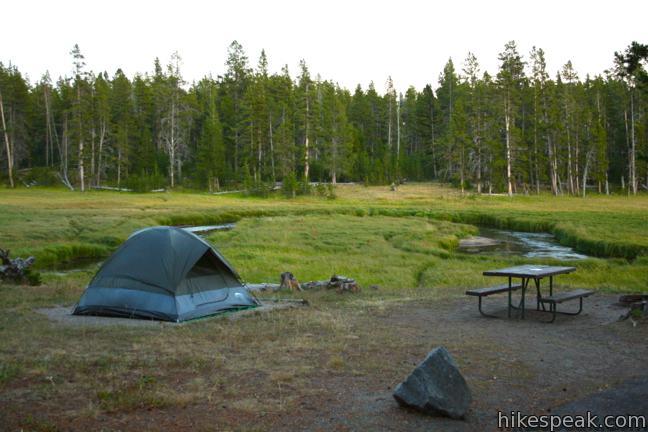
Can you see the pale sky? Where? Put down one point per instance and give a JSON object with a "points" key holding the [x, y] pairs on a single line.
{"points": [[350, 42]]}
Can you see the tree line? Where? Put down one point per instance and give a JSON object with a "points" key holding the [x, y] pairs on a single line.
{"points": [[520, 130]]}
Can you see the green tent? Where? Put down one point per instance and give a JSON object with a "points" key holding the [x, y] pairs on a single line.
{"points": [[164, 273]]}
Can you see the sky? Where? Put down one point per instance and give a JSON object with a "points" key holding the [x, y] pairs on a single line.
{"points": [[349, 42]]}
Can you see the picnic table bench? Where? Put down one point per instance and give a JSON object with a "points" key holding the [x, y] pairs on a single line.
{"points": [[484, 292], [562, 297]]}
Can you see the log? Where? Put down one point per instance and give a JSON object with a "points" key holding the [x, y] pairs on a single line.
{"points": [[263, 287], [315, 284], [339, 283]]}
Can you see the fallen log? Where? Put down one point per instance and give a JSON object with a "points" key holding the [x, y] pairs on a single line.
{"points": [[263, 287], [283, 300], [339, 283]]}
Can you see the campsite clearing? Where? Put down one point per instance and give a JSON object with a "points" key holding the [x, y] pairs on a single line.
{"points": [[320, 368]]}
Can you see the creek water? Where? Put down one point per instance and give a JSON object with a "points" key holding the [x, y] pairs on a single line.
{"points": [[531, 245], [204, 229]]}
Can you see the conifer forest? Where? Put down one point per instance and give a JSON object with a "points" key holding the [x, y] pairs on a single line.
{"points": [[519, 129]]}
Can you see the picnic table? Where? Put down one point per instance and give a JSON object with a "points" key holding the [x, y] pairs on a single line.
{"points": [[526, 273]]}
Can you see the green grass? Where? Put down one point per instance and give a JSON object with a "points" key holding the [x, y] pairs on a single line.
{"points": [[57, 225], [405, 256]]}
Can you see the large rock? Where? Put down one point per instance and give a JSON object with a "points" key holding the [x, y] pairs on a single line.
{"points": [[436, 387]]}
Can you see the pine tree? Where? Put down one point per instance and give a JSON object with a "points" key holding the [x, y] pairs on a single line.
{"points": [[305, 113], [121, 124], [510, 78], [211, 148], [80, 111]]}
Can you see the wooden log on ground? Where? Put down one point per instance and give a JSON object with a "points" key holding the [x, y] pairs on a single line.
{"points": [[263, 287], [339, 283]]}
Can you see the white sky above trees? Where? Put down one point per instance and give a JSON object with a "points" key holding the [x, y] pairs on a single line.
{"points": [[351, 42]]}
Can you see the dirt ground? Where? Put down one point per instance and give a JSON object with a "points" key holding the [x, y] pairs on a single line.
{"points": [[510, 365], [515, 365]]}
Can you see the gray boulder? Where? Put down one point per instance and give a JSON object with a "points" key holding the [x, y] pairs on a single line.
{"points": [[436, 387]]}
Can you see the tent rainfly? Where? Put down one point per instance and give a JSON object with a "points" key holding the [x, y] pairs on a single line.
{"points": [[164, 273]]}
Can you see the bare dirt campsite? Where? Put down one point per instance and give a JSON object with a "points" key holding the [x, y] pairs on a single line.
{"points": [[334, 362]]}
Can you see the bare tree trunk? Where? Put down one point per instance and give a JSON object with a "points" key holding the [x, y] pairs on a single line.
{"points": [[462, 168], [479, 163], [51, 129], [81, 162], [334, 157], [585, 170], [633, 148], [535, 145], [119, 164], [102, 136], [92, 155], [625, 118], [570, 177], [260, 153], [65, 154], [272, 156], [10, 161], [576, 169], [434, 167], [48, 128], [398, 138], [172, 145], [306, 148], [607, 185], [552, 166], [507, 119], [389, 124]]}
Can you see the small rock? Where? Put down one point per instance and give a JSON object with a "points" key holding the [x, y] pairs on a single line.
{"points": [[436, 387]]}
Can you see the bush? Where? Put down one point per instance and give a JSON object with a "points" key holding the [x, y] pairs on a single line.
{"points": [[290, 186], [305, 188], [321, 190], [257, 188], [456, 183], [41, 176], [145, 182], [330, 192]]}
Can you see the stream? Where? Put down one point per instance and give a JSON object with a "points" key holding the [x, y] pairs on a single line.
{"points": [[492, 241]]}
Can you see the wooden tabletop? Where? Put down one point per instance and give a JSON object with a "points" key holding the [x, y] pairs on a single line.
{"points": [[530, 271]]}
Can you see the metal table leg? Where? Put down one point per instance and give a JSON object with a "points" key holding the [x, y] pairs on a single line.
{"points": [[509, 297], [525, 282], [538, 296]]}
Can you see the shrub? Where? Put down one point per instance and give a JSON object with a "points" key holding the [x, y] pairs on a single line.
{"points": [[321, 190], [330, 192], [145, 182], [41, 176], [256, 188], [290, 186]]}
